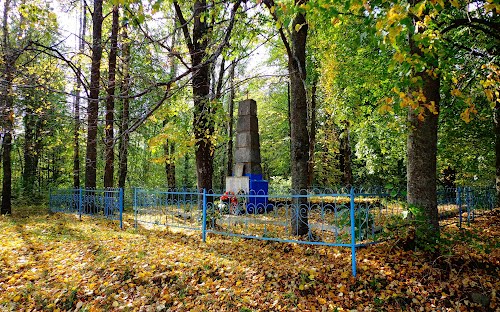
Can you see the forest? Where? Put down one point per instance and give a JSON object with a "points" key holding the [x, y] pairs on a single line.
{"points": [[113, 103], [143, 95]]}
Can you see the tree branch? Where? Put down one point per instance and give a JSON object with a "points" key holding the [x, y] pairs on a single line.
{"points": [[270, 4], [184, 26], [57, 54], [491, 29]]}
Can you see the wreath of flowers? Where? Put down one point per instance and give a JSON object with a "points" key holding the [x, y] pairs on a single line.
{"points": [[229, 197]]}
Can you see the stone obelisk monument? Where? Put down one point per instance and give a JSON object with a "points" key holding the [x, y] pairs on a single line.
{"points": [[247, 153], [247, 169]]}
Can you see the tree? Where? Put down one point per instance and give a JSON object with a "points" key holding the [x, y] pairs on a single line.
{"points": [[197, 42], [110, 102], [8, 60], [296, 51], [123, 134], [93, 103], [76, 109], [230, 120]]}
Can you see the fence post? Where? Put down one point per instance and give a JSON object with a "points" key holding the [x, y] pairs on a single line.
{"points": [[204, 218], [353, 233], [459, 203], [120, 202], [135, 207]]}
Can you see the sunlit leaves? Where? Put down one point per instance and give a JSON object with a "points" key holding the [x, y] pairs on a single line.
{"points": [[56, 263]]}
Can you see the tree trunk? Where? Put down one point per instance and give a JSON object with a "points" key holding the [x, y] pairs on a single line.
{"points": [[124, 90], [230, 122], [32, 147], [497, 151], [76, 109], [7, 113], [110, 103], [312, 132], [202, 122], [345, 156], [169, 146], [93, 105], [298, 116], [422, 152], [170, 164]]}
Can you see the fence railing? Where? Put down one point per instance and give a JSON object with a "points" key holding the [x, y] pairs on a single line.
{"points": [[106, 203], [457, 204], [349, 218]]}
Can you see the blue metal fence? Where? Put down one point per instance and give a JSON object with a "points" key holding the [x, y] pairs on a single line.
{"points": [[349, 218], [457, 204], [345, 218], [106, 203]]}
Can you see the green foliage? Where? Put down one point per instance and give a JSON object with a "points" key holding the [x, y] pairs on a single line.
{"points": [[425, 236]]}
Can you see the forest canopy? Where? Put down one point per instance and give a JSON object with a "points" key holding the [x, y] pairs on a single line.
{"points": [[143, 93]]}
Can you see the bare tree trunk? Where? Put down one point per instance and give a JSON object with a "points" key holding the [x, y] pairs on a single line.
{"points": [[124, 90], [289, 115], [312, 132], [7, 112], [497, 151], [202, 124], [230, 122], [169, 146], [110, 103], [76, 109], [93, 105], [298, 114], [422, 152]]}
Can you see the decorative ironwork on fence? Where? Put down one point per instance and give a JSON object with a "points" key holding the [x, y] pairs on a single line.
{"points": [[349, 218], [106, 203]]}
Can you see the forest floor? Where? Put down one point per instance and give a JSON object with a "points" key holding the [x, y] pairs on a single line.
{"points": [[54, 262]]}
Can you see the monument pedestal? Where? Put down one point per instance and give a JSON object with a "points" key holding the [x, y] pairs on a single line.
{"points": [[254, 188]]}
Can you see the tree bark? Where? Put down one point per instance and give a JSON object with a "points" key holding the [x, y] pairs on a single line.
{"points": [[497, 151], [230, 122], [170, 164], [169, 146], [298, 115], [110, 103], [7, 112], [202, 122], [76, 109], [422, 152], [312, 132], [124, 124], [296, 51], [93, 105]]}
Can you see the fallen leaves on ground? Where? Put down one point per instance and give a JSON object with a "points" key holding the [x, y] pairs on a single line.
{"points": [[54, 262]]}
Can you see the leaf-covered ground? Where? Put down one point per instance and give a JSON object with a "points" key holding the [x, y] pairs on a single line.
{"points": [[54, 262]]}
